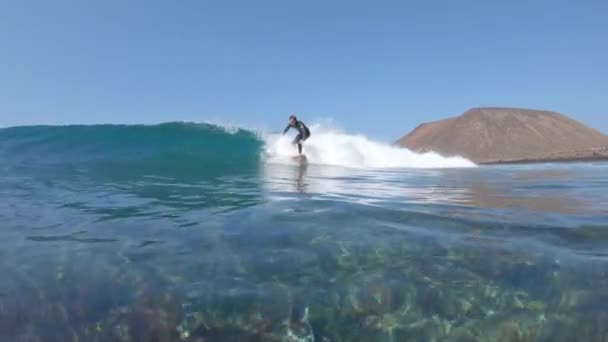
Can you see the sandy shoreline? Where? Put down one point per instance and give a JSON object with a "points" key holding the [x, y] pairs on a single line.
{"points": [[597, 154]]}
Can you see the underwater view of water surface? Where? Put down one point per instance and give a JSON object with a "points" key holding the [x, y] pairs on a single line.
{"points": [[191, 232]]}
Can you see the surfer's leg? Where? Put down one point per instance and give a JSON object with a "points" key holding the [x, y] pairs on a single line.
{"points": [[302, 139], [297, 139]]}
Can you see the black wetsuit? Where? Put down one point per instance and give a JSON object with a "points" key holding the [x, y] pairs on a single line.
{"points": [[303, 133]]}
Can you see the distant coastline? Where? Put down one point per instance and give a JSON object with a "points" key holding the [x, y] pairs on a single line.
{"points": [[597, 154], [589, 158]]}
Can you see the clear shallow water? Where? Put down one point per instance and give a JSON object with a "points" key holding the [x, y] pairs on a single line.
{"points": [[107, 251]]}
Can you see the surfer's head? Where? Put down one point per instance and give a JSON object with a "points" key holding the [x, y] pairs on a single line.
{"points": [[293, 119]]}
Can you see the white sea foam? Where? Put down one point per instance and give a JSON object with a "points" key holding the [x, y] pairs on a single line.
{"points": [[328, 146]]}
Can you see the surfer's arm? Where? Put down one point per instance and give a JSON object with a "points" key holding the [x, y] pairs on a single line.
{"points": [[286, 129]]}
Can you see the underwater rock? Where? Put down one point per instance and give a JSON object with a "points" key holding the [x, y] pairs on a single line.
{"points": [[272, 311]]}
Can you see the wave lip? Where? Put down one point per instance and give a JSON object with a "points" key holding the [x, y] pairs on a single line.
{"points": [[331, 147]]}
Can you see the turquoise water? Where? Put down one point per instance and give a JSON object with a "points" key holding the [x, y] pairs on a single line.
{"points": [[183, 232]]}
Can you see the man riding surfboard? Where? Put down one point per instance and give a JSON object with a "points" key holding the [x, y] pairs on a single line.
{"points": [[303, 131]]}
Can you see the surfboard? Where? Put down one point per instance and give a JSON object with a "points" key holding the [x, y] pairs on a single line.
{"points": [[301, 158]]}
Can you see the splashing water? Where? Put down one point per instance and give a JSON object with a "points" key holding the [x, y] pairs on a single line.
{"points": [[329, 146]]}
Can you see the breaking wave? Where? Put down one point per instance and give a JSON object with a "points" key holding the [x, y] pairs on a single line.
{"points": [[329, 146], [192, 149]]}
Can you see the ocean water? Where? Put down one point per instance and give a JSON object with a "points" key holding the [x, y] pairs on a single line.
{"points": [[194, 232]]}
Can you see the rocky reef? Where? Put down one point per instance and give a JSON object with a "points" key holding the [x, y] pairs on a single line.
{"points": [[334, 290]]}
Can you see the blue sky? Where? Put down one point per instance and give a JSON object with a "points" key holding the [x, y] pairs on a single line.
{"points": [[376, 67]]}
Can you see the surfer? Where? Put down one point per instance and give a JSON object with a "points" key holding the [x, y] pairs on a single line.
{"points": [[303, 134]]}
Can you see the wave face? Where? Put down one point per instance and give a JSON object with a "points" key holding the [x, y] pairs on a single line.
{"points": [[331, 147], [169, 149]]}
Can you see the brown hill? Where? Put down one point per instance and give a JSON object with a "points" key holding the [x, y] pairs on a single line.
{"points": [[495, 135]]}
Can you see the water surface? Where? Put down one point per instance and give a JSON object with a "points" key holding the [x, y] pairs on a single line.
{"points": [[126, 244]]}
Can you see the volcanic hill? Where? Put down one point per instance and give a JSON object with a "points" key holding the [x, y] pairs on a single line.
{"points": [[509, 135]]}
